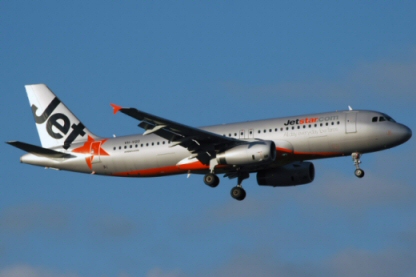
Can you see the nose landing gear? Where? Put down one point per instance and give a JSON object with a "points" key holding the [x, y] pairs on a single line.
{"points": [[358, 171]]}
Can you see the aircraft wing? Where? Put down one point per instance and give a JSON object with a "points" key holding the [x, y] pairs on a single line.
{"points": [[202, 144]]}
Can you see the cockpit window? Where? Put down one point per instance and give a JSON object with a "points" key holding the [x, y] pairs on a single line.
{"points": [[388, 118], [374, 119], [382, 118]]}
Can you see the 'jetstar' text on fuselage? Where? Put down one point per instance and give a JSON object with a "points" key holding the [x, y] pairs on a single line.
{"points": [[310, 120]]}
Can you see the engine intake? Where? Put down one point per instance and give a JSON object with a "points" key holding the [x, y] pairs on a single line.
{"points": [[289, 175], [256, 152]]}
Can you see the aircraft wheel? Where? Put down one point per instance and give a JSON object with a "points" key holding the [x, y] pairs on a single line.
{"points": [[359, 173], [211, 180], [238, 193]]}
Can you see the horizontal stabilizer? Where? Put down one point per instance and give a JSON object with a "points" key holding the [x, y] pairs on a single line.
{"points": [[39, 151]]}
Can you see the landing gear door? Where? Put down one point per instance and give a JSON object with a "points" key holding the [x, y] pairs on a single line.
{"points": [[351, 122]]}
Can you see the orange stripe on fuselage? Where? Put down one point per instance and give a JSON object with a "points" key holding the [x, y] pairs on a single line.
{"points": [[153, 172], [193, 166], [198, 166], [167, 170]]}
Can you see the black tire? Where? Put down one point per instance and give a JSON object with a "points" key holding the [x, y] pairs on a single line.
{"points": [[238, 193], [211, 180], [359, 173]]}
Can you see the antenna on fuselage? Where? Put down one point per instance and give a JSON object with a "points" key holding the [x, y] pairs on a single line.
{"points": [[349, 107]]}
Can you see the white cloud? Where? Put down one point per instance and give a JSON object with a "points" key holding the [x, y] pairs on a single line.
{"points": [[382, 80], [263, 264], [30, 271], [396, 78], [157, 272], [111, 225], [254, 207], [363, 193], [349, 262], [386, 263], [28, 217]]}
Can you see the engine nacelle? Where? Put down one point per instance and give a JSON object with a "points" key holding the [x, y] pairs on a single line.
{"points": [[256, 152], [289, 175]]}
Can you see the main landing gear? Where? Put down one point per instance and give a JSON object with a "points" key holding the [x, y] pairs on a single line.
{"points": [[211, 180], [358, 171], [237, 192]]}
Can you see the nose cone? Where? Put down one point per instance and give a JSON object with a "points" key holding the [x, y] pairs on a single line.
{"points": [[403, 133]]}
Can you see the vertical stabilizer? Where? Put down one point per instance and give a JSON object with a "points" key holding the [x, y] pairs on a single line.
{"points": [[56, 124]]}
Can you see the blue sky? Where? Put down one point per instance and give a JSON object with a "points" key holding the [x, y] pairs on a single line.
{"points": [[204, 63]]}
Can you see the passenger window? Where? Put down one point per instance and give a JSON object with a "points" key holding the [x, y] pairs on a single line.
{"points": [[259, 131], [265, 130], [281, 129], [164, 141], [332, 123], [141, 145], [293, 127], [242, 134], [131, 146], [276, 129], [304, 126], [310, 126], [270, 130], [114, 148], [251, 132], [119, 147], [136, 146], [338, 122], [315, 125], [287, 128], [320, 125], [125, 147], [147, 144], [158, 143], [298, 127], [374, 119], [326, 124]]}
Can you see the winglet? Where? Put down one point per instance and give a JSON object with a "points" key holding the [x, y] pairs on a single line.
{"points": [[116, 108]]}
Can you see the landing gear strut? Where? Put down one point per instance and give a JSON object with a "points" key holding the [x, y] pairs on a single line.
{"points": [[238, 192], [358, 171]]}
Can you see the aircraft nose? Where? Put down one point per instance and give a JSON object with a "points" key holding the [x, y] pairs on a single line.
{"points": [[405, 133]]}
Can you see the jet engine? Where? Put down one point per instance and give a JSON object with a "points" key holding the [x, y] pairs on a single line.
{"points": [[256, 152], [289, 175]]}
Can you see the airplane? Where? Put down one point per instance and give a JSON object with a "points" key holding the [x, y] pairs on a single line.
{"points": [[276, 150]]}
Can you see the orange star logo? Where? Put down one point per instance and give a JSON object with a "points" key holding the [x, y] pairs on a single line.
{"points": [[93, 148]]}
